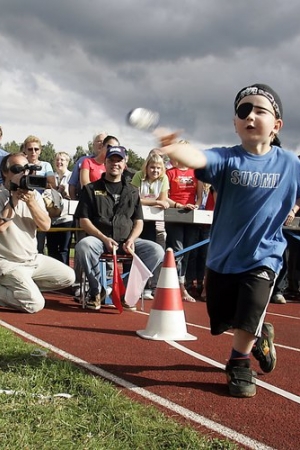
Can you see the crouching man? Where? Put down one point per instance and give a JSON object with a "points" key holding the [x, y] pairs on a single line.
{"points": [[24, 273]]}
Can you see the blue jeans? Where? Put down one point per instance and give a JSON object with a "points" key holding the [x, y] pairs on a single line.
{"points": [[179, 237], [59, 243], [90, 248]]}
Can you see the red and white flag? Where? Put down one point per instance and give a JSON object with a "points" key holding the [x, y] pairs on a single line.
{"points": [[118, 287], [138, 277]]}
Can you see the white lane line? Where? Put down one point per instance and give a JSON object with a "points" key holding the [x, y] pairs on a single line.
{"points": [[269, 387], [287, 347], [283, 315], [197, 418]]}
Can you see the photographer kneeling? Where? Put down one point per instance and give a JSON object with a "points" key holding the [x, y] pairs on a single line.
{"points": [[24, 273]]}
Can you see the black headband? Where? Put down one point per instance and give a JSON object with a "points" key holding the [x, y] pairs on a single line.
{"points": [[261, 89]]}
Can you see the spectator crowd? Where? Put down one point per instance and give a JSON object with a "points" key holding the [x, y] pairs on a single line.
{"points": [[161, 183]]}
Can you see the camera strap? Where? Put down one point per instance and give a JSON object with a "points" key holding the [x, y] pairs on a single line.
{"points": [[10, 201]]}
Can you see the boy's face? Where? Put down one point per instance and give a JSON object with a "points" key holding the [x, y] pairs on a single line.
{"points": [[256, 124]]}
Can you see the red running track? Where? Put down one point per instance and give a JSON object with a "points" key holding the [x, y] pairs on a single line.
{"points": [[185, 379]]}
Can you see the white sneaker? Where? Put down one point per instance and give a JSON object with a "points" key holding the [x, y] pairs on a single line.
{"points": [[108, 291], [147, 295], [77, 292], [279, 299]]}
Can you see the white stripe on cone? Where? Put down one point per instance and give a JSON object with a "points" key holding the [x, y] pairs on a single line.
{"points": [[168, 278], [166, 326]]}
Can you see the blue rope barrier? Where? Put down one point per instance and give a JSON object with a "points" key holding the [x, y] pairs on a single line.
{"points": [[206, 241], [180, 252], [191, 247]]}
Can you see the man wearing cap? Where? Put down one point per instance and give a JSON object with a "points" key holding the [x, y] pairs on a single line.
{"points": [[110, 212]]}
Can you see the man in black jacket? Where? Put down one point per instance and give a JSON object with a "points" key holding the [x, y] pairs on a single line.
{"points": [[110, 212]]}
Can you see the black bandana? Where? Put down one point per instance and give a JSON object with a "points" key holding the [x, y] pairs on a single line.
{"points": [[261, 89]]}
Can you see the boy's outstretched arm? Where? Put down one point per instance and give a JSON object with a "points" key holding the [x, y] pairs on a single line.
{"points": [[184, 153]]}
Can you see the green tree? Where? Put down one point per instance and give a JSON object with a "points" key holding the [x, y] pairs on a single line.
{"points": [[134, 161], [90, 150], [12, 147], [79, 152], [48, 154]]}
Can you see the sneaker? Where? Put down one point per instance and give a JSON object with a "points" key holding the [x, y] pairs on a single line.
{"points": [[147, 295], [278, 298], [241, 381], [264, 349], [126, 307], [94, 301]]}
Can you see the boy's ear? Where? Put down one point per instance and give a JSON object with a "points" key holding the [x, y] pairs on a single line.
{"points": [[234, 124], [278, 125]]}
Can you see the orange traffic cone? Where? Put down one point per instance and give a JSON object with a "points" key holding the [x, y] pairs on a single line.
{"points": [[167, 320]]}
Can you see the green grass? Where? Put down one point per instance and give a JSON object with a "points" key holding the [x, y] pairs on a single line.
{"points": [[97, 416]]}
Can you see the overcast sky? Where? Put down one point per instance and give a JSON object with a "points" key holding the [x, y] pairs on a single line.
{"points": [[70, 68]]}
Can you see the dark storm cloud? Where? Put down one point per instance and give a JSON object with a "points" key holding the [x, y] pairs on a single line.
{"points": [[186, 59], [142, 30]]}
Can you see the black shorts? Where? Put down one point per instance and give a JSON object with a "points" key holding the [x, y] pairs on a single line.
{"points": [[238, 300]]}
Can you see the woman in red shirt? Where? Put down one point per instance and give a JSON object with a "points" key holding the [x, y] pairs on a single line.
{"points": [[184, 192], [92, 168]]}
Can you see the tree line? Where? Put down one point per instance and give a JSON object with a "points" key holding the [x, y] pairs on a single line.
{"points": [[48, 154]]}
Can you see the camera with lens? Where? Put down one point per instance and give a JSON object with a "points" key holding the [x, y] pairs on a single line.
{"points": [[30, 181]]}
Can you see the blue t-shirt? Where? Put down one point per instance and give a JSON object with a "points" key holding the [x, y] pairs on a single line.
{"points": [[73, 181], [254, 196], [46, 171], [75, 177]]}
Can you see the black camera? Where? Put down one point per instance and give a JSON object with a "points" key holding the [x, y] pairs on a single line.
{"points": [[28, 182]]}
